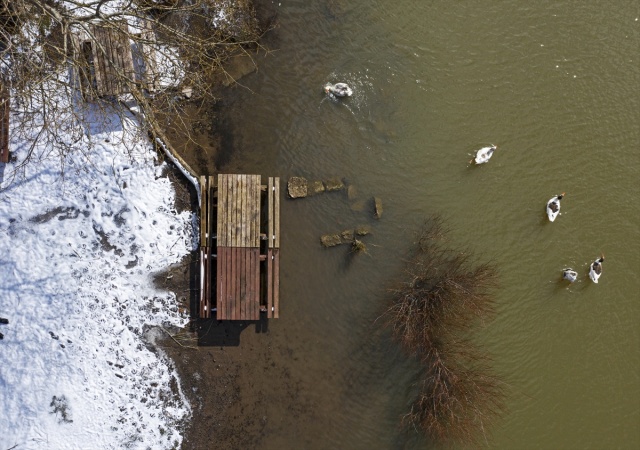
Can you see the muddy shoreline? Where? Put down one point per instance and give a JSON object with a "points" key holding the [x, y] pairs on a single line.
{"points": [[231, 373]]}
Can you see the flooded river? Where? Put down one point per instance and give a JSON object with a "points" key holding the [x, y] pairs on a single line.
{"points": [[555, 86]]}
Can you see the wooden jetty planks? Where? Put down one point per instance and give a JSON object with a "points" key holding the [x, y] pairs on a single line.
{"points": [[270, 213], [242, 223], [276, 283], [226, 290], [231, 284], [238, 271], [222, 211], [273, 283], [218, 283], [236, 284], [211, 206], [237, 231], [228, 215], [276, 212], [255, 218], [204, 216], [243, 282], [273, 244], [253, 296], [223, 290], [269, 284], [273, 205]]}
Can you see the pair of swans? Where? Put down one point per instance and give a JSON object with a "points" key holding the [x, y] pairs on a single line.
{"points": [[595, 270]]}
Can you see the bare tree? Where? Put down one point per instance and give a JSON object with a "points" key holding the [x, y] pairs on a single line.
{"points": [[68, 61]]}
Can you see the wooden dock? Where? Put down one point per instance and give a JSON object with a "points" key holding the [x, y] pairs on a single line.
{"points": [[240, 222]]}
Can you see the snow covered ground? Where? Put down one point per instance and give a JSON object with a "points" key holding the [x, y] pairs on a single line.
{"points": [[80, 238]]}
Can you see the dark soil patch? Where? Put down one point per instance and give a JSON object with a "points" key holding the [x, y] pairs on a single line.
{"points": [[238, 392]]}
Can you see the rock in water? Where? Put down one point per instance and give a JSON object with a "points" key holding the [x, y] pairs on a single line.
{"points": [[330, 240], [297, 187], [315, 187], [377, 207], [333, 184]]}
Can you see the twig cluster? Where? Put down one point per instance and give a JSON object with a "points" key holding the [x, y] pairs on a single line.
{"points": [[41, 66], [447, 295]]}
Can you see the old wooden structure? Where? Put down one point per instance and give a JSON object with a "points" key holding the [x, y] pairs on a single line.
{"points": [[105, 60], [240, 247], [4, 124]]}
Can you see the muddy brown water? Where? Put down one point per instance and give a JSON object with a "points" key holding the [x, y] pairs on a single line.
{"points": [[554, 85]]}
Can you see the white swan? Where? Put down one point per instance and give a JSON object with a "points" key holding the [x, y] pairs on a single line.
{"points": [[595, 270], [484, 154], [553, 206], [569, 275], [338, 90]]}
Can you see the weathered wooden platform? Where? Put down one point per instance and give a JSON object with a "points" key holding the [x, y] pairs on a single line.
{"points": [[107, 68], [247, 247], [4, 124]]}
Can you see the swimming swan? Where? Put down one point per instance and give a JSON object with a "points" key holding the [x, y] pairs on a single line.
{"points": [[569, 275], [595, 270], [484, 154], [553, 206], [338, 90]]}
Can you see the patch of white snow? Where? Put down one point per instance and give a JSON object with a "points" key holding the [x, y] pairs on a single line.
{"points": [[80, 237]]}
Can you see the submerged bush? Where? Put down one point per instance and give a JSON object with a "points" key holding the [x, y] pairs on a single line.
{"points": [[445, 296]]}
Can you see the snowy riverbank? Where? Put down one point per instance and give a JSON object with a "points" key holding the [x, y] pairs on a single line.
{"points": [[80, 238]]}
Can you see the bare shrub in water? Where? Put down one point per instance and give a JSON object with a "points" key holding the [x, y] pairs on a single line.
{"points": [[445, 296], [459, 398]]}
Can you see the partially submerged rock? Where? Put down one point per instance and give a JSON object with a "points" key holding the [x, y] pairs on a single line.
{"points": [[333, 184], [344, 237], [330, 240], [352, 192], [362, 231], [315, 187], [297, 187], [300, 187], [347, 235], [359, 205], [377, 206]]}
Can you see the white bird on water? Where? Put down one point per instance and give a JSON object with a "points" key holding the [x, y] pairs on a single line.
{"points": [[553, 206], [484, 154], [569, 275], [595, 270], [338, 90]]}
